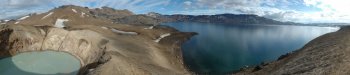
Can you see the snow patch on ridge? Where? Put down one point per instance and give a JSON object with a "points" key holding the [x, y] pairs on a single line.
{"points": [[47, 15], [75, 11], [162, 36], [4, 21], [23, 18], [82, 14], [104, 27], [123, 32], [151, 27], [60, 23]]}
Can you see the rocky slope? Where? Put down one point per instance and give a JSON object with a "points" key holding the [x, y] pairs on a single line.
{"points": [[138, 20], [103, 46], [325, 55]]}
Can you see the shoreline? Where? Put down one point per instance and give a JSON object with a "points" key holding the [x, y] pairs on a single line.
{"points": [[291, 63]]}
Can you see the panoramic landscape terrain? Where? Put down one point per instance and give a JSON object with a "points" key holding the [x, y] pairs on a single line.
{"points": [[174, 37]]}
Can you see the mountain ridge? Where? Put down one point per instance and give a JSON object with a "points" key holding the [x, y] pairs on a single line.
{"points": [[152, 18], [219, 18]]}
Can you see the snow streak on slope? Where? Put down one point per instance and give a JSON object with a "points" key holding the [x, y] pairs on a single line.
{"points": [[47, 15], [59, 23], [162, 36]]}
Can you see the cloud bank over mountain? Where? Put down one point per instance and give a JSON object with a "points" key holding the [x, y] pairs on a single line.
{"points": [[305, 11]]}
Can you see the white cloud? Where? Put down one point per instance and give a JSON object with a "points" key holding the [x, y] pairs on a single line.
{"points": [[333, 10], [17, 8], [188, 3], [282, 10], [21, 3], [228, 3]]}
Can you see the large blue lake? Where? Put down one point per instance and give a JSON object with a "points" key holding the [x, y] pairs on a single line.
{"points": [[224, 48]]}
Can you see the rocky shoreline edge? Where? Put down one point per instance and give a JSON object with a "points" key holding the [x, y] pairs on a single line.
{"points": [[325, 55]]}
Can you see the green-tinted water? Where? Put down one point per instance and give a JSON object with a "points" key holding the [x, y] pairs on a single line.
{"points": [[40, 63]]}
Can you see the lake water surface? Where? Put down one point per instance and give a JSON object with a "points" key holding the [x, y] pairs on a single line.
{"points": [[40, 63], [224, 48]]}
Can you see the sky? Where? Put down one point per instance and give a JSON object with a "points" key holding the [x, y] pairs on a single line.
{"points": [[302, 11]]}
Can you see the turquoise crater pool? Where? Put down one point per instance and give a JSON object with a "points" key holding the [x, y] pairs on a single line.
{"points": [[40, 63]]}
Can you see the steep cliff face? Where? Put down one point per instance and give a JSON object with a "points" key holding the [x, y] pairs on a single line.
{"points": [[102, 46], [325, 55]]}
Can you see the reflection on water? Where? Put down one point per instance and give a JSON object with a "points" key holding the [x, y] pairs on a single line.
{"points": [[40, 63], [222, 48]]}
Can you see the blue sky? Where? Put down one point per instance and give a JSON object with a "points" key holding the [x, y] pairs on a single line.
{"points": [[305, 11]]}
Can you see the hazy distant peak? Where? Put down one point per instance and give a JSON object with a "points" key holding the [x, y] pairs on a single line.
{"points": [[153, 14]]}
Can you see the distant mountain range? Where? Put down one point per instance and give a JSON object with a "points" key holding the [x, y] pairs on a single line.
{"points": [[219, 18], [152, 18]]}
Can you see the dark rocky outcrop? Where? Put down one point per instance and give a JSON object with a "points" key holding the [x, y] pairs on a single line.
{"points": [[4, 42]]}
